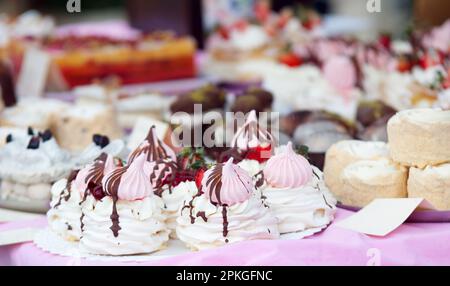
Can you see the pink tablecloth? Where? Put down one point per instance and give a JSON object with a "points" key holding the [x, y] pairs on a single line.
{"points": [[411, 244]]}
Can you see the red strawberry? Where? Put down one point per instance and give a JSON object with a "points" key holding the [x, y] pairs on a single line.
{"points": [[429, 60], [256, 153], [199, 177], [311, 22], [183, 176], [385, 41], [223, 32], [404, 65], [98, 192], [284, 17], [261, 11], [290, 59], [240, 25]]}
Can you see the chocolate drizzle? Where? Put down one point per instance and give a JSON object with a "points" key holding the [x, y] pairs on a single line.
{"points": [[202, 214], [225, 221], [154, 150], [214, 182], [252, 130], [165, 168], [259, 179], [66, 197], [111, 189], [81, 222], [95, 175], [190, 206]]}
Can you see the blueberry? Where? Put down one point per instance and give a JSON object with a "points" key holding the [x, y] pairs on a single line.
{"points": [[47, 135], [9, 138], [34, 143], [100, 140], [30, 131]]}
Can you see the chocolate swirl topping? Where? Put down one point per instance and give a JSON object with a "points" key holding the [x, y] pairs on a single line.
{"points": [[159, 181], [95, 175], [111, 189], [215, 182], [66, 197], [154, 150]]}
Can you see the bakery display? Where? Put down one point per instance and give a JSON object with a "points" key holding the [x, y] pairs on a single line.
{"points": [[419, 137], [224, 211]]}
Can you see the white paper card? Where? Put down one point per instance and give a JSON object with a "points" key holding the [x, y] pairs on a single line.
{"points": [[141, 128], [33, 73], [10, 215], [382, 216], [17, 236]]}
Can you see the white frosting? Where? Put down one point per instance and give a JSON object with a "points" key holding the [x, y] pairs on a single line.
{"points": [[46, 164], [64, 219], [142, 227], [364, 149], [174, 200], [370, 171], [429, 76], [252, 167], [246, 221], [401, 47], [250, 38], [422, 116], [32, 23], [299, 209], [444, 99]]}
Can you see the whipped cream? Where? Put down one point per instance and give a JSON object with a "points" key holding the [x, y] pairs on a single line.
{"points": [[142, 227], [364, 149], [174, 200], [250, 38], [246, 221], [64, 215]]}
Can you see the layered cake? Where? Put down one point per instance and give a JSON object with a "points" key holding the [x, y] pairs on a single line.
{"points": [[74, 128], [126, 216], [419, 137], [366, 180], [79, 60], [29, 165], [224, 211], [296, 193], [344, 153], [431, 183]]}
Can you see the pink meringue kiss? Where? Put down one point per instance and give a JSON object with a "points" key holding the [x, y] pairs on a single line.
{"points": [[154, 148], [287, 170], [94, 173], [340, 72], [227, 184], [130, 182], [251, 134]]}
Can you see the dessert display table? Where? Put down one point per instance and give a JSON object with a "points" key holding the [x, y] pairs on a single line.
{"points": [[410, 244]]}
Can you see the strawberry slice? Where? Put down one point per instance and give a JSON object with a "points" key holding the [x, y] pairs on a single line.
{"points": [[223, 32], [240, 25], [429, 60], [256, 153], [290, 59], [199, 177], [385, 41]]}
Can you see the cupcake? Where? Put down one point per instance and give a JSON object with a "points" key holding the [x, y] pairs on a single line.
{"points": [[127, 217], [29, 164], [296, 193], [224, 211], [253, 98], [68, 195]]}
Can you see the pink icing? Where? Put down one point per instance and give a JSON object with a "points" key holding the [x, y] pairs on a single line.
{"points": [[439, 38], [109, 165], [287, 170], [227, 184], [134, 182], [80, 183], [340, 72]]}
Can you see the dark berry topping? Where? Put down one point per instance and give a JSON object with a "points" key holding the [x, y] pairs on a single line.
{"points": [[30, 131], [9, 138], [34, 143], [47, 135], [100, 140], [98, 192]]}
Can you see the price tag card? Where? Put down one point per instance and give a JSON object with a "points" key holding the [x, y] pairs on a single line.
{"points": [[33, 73]]}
